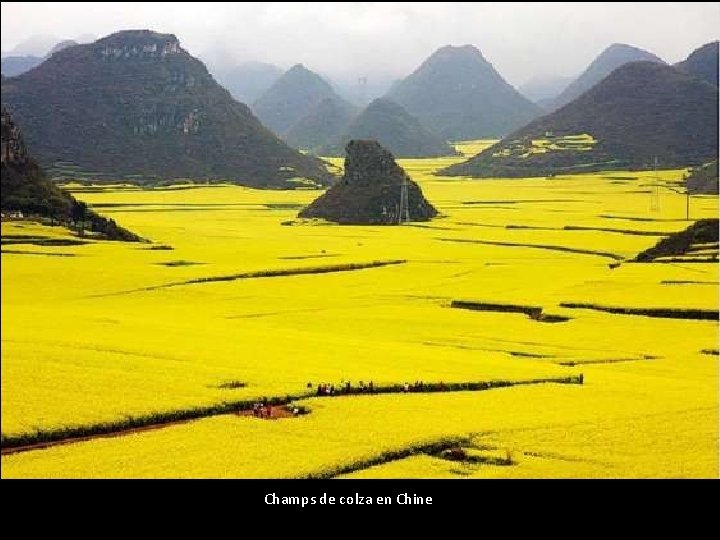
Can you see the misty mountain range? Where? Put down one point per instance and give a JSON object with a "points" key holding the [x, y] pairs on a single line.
{"points": [[248, 80], [136, 104]]}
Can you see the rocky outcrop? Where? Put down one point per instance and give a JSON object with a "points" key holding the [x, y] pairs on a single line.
{"points": [[12, 145], [372, 191], [25, 190], [701, 236], [704, 180]]}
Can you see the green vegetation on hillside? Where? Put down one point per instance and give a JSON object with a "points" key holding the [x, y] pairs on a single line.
{"points": [[641, 111], [135, 104], [26, 191], [616, 55], [703, 63], [704, 180]]}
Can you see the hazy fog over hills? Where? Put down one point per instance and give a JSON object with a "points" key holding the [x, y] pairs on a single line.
{"points": [[354, 40], [614, 56], [541, 89]]}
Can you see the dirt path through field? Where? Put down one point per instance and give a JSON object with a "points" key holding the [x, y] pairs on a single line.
{"points": [[277, 413]]}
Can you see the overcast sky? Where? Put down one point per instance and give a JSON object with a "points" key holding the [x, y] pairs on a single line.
{"points": [[347, 39]]}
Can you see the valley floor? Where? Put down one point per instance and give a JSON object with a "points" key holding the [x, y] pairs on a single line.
{"points": [[237, 300]]}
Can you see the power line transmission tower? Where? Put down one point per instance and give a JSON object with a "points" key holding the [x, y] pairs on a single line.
{"points": [[404, 209], [655, 189], [362, 89]]}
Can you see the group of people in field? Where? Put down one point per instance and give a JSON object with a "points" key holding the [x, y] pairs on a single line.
{"points": [[417, 386], [346, 387], [262, 409]]}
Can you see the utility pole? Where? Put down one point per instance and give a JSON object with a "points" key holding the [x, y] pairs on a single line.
{"points": [[362, 89], [655, 190], [404, 209]]}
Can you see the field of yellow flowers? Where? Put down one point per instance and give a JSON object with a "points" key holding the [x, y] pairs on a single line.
{"points": [[100, 332]]}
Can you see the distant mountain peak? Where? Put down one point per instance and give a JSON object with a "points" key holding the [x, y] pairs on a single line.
{"points": [[451, 54], [301, 71], [703, 62], [458, 50], [618, 46], [634, 52], [64, 44], [457, 92], [291, 97], [611, 58]]}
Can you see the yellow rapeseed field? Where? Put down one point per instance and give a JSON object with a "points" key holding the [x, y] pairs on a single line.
{"points": [[96, 335]]}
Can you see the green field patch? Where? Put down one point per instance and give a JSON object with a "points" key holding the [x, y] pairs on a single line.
{"points": [[284, 206], [40, 241], [643, 219], [538, 246], [534, 312], [686, 282], [46, 253], [313, 256], [525, 201], [524, 148], [266, 274], [588, 362], [662, 313], [174, 264], [232, 385]]}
